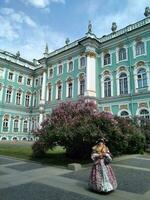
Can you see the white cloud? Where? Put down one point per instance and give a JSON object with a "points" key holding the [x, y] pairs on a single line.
{"points": [[103, 16], [19, 32], [42, 3]]}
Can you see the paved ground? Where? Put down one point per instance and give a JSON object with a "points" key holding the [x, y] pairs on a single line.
{"points": [[22, 180]]}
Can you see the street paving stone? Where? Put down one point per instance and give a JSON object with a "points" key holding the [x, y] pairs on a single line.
{"points": [[130, 180], [135, 162], [26, 166], [37, 191], [7, 161]]}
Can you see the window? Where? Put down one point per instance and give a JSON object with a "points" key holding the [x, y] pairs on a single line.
{"points": [[70, 90], [51, 73], [41, 80], [5, 124], [36, 81], [10, 76], [18, 98], [16, 125], [70, 66], [40, 94], [82, 62], [123, 84], [107, 59], [28, 81], [27, 100], [59, 92], [122, 54], [142, 78], [107, 87], [124, 114], [140, 48], [34, 100], [60, 69], [25, 126], [82, 86], [20, 78], [1, 73], [145, 114], [49, 93], [8, 96]]}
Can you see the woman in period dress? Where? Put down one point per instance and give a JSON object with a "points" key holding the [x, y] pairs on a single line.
{"points": [[102, 177]]}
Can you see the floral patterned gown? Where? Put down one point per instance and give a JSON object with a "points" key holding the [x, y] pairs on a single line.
{"points": [[102, 177]]}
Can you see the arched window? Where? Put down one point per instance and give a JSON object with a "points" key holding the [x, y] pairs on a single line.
{"points": [[122, 54], [70, 66], [16, 125], [49, 92], [59, 90], [142, 78], [70, 89], [25, 126], [18, 98], [5, 123], [27, 100], [107, 59], [139, 48], [124, 114], [107, 87], [81, 84], [145, 114], [82, 62], [8, 95], [123, 83]]}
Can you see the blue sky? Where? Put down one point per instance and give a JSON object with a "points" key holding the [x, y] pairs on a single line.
{"points": [[26, 25]]}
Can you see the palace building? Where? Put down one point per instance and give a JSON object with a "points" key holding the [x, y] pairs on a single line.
{"points": [[113, 70]]}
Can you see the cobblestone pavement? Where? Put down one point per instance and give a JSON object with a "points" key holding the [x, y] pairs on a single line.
{"points": [[22, 180]]}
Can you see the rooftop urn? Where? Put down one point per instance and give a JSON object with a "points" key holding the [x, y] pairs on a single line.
{"points": [[114, 27], [147, 12]]}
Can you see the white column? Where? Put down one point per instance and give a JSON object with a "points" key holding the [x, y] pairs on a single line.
{"points": [[91, 74], [42, 101], [43, 88]]}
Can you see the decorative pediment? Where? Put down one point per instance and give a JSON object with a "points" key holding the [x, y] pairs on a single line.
{"points": [[107, 109], [140, 63], [122, 68], [81, 76], [106, 51], [138, 38], [125, 106], [106, 73], [143, 105]]}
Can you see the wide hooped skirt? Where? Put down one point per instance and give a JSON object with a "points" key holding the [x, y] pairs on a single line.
{"points": [[102, 178]]}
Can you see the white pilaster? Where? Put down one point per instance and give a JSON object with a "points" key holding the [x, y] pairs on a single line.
{"points": [[91, 74], [43, 96]]}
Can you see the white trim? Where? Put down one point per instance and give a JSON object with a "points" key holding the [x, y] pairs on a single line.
{"points": [[102, 84], [72, 60], [120, 111], [79, 62], [143, 108], [117, 54], [58, 69], [135, 76], [117, 80], [102, 59], [67, 88], [134, 48]]}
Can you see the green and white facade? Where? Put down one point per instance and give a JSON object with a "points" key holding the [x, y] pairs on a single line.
{"points": [[113, 70]]}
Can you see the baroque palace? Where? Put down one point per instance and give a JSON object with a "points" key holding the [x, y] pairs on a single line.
{"points": [[113, 70]]}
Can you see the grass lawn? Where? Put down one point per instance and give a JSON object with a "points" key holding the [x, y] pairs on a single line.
{"points": [[23, 150]]}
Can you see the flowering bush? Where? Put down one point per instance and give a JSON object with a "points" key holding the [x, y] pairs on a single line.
{"points": [[77, 126]]}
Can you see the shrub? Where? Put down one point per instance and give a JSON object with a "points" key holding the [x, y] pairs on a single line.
{"points": [[77, 126]]}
